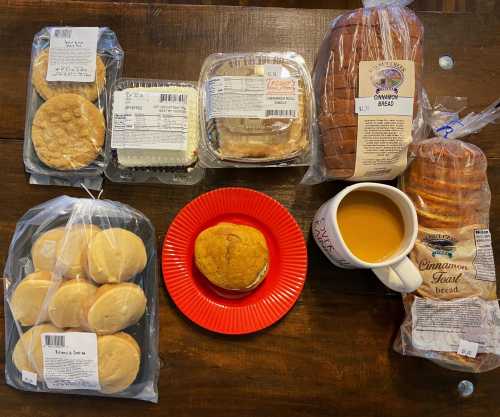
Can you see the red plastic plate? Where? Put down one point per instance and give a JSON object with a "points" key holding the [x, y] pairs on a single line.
{"points": [[224, 311]]}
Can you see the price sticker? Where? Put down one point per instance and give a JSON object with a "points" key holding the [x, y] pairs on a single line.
{"points": [[466, 348]]}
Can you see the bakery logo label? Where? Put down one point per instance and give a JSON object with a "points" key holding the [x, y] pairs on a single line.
{"points": [[387, 77], [440, 244]]}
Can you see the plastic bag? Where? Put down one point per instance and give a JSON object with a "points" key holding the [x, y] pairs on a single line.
{"points": [[65, 120], [256, 109], [368, 84], [456, 307], [80, 301], [167, 153]]}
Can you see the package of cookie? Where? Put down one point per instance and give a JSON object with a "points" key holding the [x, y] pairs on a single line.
{"points": [[153, 132], [256, 109], [71, 71], [80, 301]]}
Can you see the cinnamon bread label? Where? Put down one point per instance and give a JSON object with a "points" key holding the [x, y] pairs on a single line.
{"points": [[385, 111], [455, 263]]}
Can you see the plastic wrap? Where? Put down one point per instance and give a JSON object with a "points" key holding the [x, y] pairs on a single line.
{"points": [[85, 271], [367, 82], [65, 120], [162, 146], [457, 302], [256, 109]]}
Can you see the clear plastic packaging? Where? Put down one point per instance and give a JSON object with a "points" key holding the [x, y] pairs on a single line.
{"points": [[256, 109], [65, 120], [368, 83], [82, 270], [447, 181], [133, 150]]}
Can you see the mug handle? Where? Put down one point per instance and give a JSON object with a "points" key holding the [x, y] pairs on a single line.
{"points": [[401, 277]]}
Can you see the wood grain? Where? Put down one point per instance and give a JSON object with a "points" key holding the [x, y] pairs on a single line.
{"points": [[332, 354]]}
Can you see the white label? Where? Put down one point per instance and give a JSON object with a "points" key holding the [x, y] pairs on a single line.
{"points": [[147, 120], [466, 348], [72, 54], [440, 325], [374, 106], [28, 377], [484, 260], [70, 360], [258, 97]]}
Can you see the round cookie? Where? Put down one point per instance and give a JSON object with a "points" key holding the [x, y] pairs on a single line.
{"points": [[119, 359], [68, 132], [28, 298], [66, 304], [48, 89], [232, 256], [115, 255], [114, 307], [72, 249], [44, 250], [27, 354]]}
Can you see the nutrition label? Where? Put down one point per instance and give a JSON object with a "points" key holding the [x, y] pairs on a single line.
{"points": [[442, 325], [149, 120], [70, 360], [246, 97], [484, 261], [72, 54]]}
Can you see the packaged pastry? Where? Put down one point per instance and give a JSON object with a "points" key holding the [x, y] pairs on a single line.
{"points": [[453, 317], [153, 132], [256, 109], [367, 82], [80, 279], [72, 69]]}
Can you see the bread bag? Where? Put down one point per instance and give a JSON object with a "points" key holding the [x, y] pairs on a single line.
{"points": [[80, 301], [453, 317], [71, 72], [367, 82]]}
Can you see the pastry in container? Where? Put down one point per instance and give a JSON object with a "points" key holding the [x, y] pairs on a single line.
{"points": [[154, 132], [65, 119], [256, 109]]}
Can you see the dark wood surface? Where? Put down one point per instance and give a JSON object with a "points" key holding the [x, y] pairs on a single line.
{"points": [[332, 354]]}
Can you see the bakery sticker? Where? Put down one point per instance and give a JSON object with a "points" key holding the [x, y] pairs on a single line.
{"points": [[386, 93], [252, 97], [70, 360], [72, 54], [440, 244]]}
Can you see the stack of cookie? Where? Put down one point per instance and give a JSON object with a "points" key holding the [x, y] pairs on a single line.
{"points": [[371, 34], [63, 294], [68, 129]]}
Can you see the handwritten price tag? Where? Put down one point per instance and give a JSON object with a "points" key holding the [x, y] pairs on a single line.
{"points": [[466, 348]]}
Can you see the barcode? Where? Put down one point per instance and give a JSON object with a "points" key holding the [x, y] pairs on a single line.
{"points": [[55, 341], [62, 33], [280, 113], [182, 98]]}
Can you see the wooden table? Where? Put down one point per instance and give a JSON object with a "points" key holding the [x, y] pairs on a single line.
{"points": [[332, 354]]}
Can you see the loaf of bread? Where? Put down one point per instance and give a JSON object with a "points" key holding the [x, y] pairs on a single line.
{"points": [[447, 183], [367, 34]]}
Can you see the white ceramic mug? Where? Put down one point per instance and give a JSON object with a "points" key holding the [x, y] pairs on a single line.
{"points": [[397, 272]]}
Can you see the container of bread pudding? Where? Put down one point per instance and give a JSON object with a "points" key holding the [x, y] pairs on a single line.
{"points": [[153, 132], [256, 109]]}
